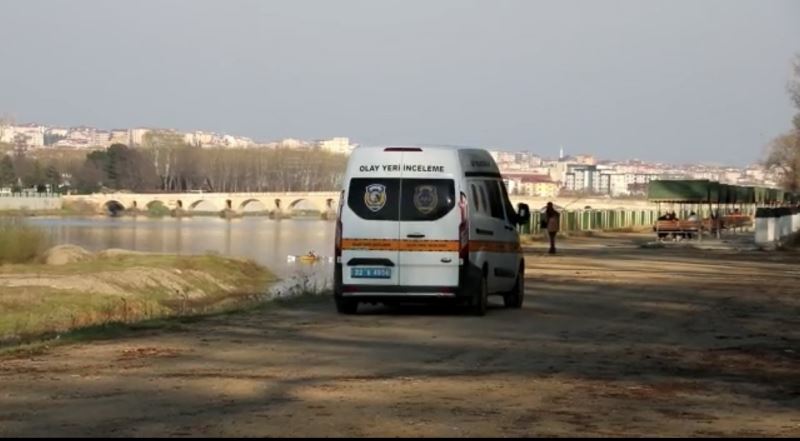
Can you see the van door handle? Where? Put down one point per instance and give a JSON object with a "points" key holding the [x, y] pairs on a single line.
{"points": [[484, 232], [446, 260], [509, 228], [415, 235]]}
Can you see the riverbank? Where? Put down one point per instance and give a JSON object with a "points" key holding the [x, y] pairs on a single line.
{"points": [[612, 340], [79, 289]]}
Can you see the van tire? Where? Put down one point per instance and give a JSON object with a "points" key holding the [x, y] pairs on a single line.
{"points": [[346, 306], [515, 298], [481, 300]]}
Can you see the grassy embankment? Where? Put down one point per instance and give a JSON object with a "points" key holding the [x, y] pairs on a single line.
{"points": [[38, 300]]}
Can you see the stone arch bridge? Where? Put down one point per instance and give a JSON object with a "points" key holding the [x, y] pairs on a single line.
{"points": [[285, 203], [267, 203]]}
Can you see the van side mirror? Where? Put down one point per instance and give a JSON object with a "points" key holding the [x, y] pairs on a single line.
{"points": [[523, 214]]}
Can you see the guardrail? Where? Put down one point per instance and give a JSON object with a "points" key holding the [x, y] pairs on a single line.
{"points": [[30, 195], [613, 219], [587, 220]]}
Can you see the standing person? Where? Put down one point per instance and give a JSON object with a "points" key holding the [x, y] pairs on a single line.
{"points": [[553, 220]]}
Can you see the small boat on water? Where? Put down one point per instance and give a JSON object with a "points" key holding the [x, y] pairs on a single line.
{"points": [[308, 258]]}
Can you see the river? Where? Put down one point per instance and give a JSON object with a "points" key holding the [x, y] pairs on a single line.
{"points": [[262, 239]]}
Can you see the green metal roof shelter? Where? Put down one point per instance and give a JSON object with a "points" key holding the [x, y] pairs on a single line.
{"points": [[703, 195], [687, 191], [703, 191]]}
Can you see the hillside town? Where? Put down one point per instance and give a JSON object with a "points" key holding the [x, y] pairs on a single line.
{"points": [[533, 175], [32, 136], [525, 172]]}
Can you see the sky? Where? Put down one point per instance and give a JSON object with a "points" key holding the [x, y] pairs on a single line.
{"points": [[680, 81]]}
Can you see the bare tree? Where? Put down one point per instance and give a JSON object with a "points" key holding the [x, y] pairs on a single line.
{"points": [[784, 157], [794, 90], [784, 151]]}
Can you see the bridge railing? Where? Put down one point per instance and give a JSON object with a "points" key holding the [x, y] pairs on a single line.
{"points": [[594, 220], [29, 195]]}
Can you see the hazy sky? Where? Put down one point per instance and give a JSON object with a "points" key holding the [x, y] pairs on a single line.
{"points": [[680, 81]]}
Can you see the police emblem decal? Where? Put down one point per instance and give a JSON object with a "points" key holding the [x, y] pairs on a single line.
{"points": [[375, 197], [425, 198]]}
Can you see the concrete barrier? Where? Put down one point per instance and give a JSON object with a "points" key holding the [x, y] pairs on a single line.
{"points": [[33, 202], [765, 231], [776, 225]]}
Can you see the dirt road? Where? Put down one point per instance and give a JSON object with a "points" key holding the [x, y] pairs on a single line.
{"points": [[611, 341]]}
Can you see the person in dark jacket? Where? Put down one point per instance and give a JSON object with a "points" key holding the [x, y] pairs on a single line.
{"points": [[552, 222]]}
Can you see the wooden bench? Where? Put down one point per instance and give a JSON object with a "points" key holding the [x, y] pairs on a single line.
{"points": [[675, 228], [736, 221]]}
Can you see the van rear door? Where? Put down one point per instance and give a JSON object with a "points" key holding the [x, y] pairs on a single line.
{"points": [[429, 219], [370, 230]]}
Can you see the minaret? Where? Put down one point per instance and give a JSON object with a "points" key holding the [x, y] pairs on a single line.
{"points": [[561, 153]]}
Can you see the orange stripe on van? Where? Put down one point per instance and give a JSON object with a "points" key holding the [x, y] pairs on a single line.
{"points": [[428, 245], [493, 246], [399, 245]]}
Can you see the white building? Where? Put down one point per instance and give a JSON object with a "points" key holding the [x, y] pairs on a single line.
{"points": [[32, 134], [6, 133], [582, 178], [119, 136], [291, 143], [618, 185], [137, 136], [101, 138], [57, 131], [339, 145]]}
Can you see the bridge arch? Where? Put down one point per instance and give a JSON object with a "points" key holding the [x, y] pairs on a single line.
{"points": [[113, 207], [155, 203], [253, 205], [205, 205], [306, 204]]}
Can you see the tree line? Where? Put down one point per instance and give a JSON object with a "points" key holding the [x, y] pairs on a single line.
{"points": [[784, 151], [165, 164]]}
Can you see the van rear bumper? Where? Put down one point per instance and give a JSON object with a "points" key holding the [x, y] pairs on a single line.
{"points": [[469, 279], [399, 291]]}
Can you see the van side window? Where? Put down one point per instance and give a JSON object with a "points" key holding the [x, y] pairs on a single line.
{"points": [[475, 198], [495, 200], [484, 205], [511, 214]]}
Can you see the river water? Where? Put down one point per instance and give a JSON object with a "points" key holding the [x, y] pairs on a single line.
{"points": [[266, 241]]}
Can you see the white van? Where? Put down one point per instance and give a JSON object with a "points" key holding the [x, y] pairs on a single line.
{"points": [[424, 224]]}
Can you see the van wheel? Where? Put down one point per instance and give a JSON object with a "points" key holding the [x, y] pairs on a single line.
{"points": [[481, 300], [517, 295], [346, 306]]}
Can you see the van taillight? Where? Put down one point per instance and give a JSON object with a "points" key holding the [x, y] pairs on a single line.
{"points": [[338, 241], [463, 230]]}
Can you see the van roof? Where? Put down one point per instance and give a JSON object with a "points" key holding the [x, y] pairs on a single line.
{"points": [[471, 160], [421, 146]]}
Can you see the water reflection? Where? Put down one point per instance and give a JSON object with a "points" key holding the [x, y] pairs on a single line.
{"points": [[264, 240]]}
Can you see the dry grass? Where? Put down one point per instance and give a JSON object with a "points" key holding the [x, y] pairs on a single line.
{"points": [[20, 243], [207, 284]]}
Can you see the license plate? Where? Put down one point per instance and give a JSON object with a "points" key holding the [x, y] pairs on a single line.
{"points": [[371, 273]]}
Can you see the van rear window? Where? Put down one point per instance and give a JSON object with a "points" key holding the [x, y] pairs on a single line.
{"points": [[374, 199], [401, 199], [426, 199]]}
